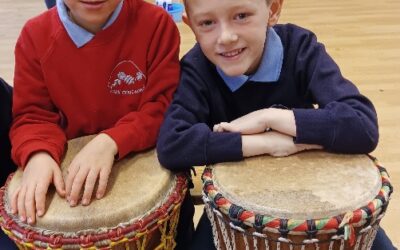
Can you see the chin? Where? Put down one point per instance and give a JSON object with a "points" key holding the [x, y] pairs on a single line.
{"points": [[233, 72]]}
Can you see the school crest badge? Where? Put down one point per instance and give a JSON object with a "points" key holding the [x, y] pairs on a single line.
{"points": [[126, 79]]}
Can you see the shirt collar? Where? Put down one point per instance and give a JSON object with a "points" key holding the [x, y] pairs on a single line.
{"points": [[79, 35], [269, 68]]}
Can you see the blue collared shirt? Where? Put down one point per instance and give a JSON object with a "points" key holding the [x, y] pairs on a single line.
{"points": [[269, 68], [79, 35]]}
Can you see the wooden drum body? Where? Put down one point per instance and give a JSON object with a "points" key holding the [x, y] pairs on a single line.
{"points": [[311, 200], [139, 211]]}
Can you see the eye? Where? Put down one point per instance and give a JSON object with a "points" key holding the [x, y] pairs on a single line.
{"points": [[241, 16], [206, 23]]}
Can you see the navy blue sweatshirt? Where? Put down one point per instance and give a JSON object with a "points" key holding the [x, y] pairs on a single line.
{"points": [[344, 121]]}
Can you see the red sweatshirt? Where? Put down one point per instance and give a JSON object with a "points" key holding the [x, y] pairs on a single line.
{"points": [[120, 83]]}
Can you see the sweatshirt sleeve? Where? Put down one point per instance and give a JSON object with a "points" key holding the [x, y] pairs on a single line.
{"points": [[186, 138], [35, 118], [345, 121], [138, 129]]}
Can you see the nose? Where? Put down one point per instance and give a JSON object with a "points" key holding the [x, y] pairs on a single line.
{"points": [[227, 35]]}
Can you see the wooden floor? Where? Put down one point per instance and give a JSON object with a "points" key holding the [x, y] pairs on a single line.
{"points": [[363, 36]]}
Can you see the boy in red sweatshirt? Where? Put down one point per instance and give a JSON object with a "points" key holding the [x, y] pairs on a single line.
{"points": [[105, 67]]}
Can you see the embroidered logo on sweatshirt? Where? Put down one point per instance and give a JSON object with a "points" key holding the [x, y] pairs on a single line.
{"points": [[126, 79]]}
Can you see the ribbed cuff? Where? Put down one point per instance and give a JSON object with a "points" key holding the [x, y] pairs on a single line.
{"points": [[314, 126], [28, 148], [222, 147]]}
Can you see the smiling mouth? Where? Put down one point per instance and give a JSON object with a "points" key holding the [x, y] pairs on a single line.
{"points": [[92, 2], [232, 53]]}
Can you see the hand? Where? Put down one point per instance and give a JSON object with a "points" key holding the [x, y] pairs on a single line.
{"points": [[259, 121], [252, 123], [93, 162], [272, 143], [30, 197]]}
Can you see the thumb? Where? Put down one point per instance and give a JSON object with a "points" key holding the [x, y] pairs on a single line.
{"points": [[59, 182], [227, 127], [216, 128]]}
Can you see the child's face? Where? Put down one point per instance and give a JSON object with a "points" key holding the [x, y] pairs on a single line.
{"points": [[91, 14], [231, 33]]}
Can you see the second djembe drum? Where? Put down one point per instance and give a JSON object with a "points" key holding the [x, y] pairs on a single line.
{"points": [[311, 200]]}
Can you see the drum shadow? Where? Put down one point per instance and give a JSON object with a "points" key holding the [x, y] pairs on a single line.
{"points": [[51, 196]]}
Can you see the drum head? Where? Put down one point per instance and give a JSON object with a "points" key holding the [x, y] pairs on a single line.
{"points": [[308, 185], [137, 185]]}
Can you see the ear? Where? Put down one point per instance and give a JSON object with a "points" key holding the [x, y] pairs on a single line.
{"points": [[274, 12]]}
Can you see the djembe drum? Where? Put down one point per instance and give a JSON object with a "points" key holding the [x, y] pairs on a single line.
{"points": [[311, 200], [139, 211]]}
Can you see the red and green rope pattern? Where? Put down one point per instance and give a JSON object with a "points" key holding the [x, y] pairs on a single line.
{"points": [[342, 224]]}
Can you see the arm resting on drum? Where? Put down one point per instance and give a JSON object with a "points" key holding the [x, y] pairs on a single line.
{"points": [[259, 121], [345, 120], [272, 143]]}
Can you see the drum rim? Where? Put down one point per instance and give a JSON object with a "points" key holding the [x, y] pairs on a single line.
{"points": [[311, 227], [25, 235]]}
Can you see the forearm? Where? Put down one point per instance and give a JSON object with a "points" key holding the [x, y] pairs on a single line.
{"points": [[272, 143], [254, 145], [339, 127], [35, 126], [345, 120], [281, 120], [180, 148], [135, 132], [138, 130], [35, 117]]}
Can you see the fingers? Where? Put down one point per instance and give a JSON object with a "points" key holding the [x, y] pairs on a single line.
{"points": [[103, 180], [217, 128], [281, 153], [40, 197], [302, 147], [21, 204], [14, 200], [29, 198], [58, 182], [223, 127], [313, 146], [89, 186], [228, 127], [77, 184], [30, 205], [72, 171]]}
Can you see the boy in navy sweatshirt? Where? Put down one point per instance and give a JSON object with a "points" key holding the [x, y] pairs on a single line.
{"points": [[6, 164], [252, 87]]}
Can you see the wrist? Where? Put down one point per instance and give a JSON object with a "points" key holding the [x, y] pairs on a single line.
{"points": [[38, 155], [256, 144], [108, 143], [39, 159], [282, 120]]}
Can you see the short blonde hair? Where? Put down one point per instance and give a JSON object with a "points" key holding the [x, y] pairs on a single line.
{"points": [[185, 3]]}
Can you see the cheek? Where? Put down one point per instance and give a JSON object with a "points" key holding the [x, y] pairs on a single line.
{"points": [[207, 49], [258, 38], [68, 4], [206, 43], [114, 4]]}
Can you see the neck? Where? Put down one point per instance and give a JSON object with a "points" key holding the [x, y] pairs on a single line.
{"points": [[92, 28]]}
